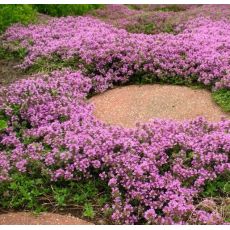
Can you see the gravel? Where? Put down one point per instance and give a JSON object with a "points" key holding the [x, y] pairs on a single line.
{"points": [[27, 218], [127, 105]]}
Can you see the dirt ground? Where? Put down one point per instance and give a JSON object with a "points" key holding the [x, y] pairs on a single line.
{"points": [[130, 104], [8, 73], [27, 218]]}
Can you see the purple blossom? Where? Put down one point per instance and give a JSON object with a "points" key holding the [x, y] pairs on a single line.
{"points": [[107, 55], [161, 165]]}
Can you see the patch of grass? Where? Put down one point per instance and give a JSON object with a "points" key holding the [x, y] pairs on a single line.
{"points": [[3, 125], [222, 98], [147, 28], [35, 192], [15, 13], [45, 65], [60, 10], [220, 187], [146, 78], [168, 28], [16, 55], [88, 211], [168, 8], [134, 6], [23, 192]]}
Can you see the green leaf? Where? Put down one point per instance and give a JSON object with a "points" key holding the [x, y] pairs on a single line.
{"points": [[88, 211], [222, 98], [3, 125]]}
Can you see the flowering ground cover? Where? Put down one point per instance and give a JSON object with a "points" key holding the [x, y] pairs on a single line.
{"points": [[157, 173], [106, 54], [51, 129], [152, 19]]}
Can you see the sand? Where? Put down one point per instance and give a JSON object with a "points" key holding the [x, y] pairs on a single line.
{"points": [[127, 105]]}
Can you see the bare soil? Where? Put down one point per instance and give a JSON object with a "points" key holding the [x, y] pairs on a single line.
{"points": [[27, 218], [127, 105], [8, 72]]}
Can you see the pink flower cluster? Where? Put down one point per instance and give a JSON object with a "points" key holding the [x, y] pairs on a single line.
{"points": [[155, 171], [200, 51]]}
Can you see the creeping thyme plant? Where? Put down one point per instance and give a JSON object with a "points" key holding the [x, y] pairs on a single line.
{"points": [[155, 173]]}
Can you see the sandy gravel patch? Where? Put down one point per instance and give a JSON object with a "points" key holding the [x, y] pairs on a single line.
{"points": [[130, 104], [27, 218]]}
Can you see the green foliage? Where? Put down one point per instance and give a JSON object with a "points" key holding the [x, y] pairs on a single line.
{"points": [[18, 54], [134, 6], [163, 8], [14, 13], [168, 8], [22, 192], [65, 9], [168, 28], [5, 55], [150, 28], [147, 28], [220, 187], [146, 78], [21, 52], [34, 191], [25, 14], [44, 65], [222, 98], [3, 121], [88, 211], [3, 125], [61, 195]]}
